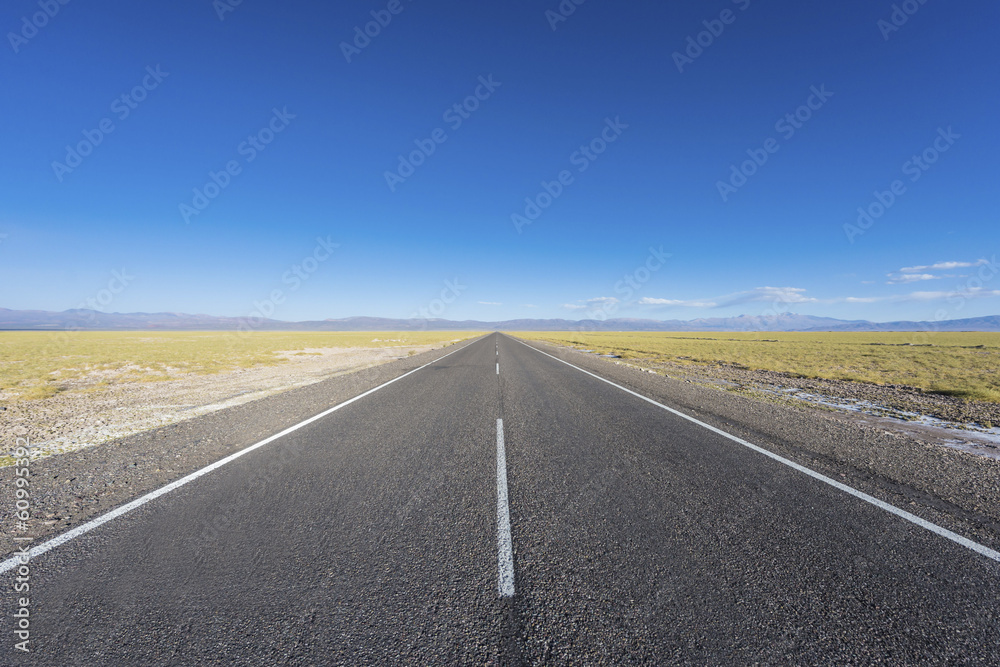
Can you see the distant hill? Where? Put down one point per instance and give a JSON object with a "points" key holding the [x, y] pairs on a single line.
{"points": [[989, 323], [93, 320]]}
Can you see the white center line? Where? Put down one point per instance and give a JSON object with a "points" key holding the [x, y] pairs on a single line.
{"points": [[505, 552], [498, 368], [861, 495]]}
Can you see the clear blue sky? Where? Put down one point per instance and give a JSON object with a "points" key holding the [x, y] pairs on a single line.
{"points": [[888, 92]]}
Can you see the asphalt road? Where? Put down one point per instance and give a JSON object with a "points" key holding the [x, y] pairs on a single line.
{"points": [[370, 536]]}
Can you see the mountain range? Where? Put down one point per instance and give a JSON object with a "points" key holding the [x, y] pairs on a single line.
{"points": [[93, 320]]}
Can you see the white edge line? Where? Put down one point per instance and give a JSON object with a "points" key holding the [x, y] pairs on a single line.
{"points": [[892, 509], [505, 551], [34, 552]]}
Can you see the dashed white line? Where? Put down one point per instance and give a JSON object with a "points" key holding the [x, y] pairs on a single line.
{"points": [[13, 562], [892, 509], [498, 368], [505, 552]]}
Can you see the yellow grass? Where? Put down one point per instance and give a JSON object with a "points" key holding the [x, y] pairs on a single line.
{"points": [[36, 364], [966, 365]]}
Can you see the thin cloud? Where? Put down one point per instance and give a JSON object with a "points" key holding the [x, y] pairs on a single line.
{"points": [[783, 295], [968, 294], [791, 295], [775, 294], [943, 266], [653, 301], [903, 278], [861, 299], [596, 302], [977, 293], [489, 303]]}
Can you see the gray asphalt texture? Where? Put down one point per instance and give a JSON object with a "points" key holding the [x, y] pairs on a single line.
{"points": [[369, 537]]}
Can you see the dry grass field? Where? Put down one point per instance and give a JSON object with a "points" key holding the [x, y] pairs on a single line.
{"points": [[964, 365], [40, 364]]}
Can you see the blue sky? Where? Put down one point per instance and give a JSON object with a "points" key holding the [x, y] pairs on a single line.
{"points": [[713, 157]]}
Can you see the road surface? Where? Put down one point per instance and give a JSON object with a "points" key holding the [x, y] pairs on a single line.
{"points": [[501, 506]]}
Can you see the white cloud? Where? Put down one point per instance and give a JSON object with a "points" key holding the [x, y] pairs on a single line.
{"points": [[795, 295], [596, 302], [943, 266], [917, 296], [967, 294], [903, 278], [860, 299], [653, 301], [792, 295], [782, 295], [777, 295], [489, 303]]}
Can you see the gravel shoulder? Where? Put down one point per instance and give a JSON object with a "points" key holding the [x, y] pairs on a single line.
{"points": [[70, 488], [972, 426], [893, 396], [907, 467]]}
